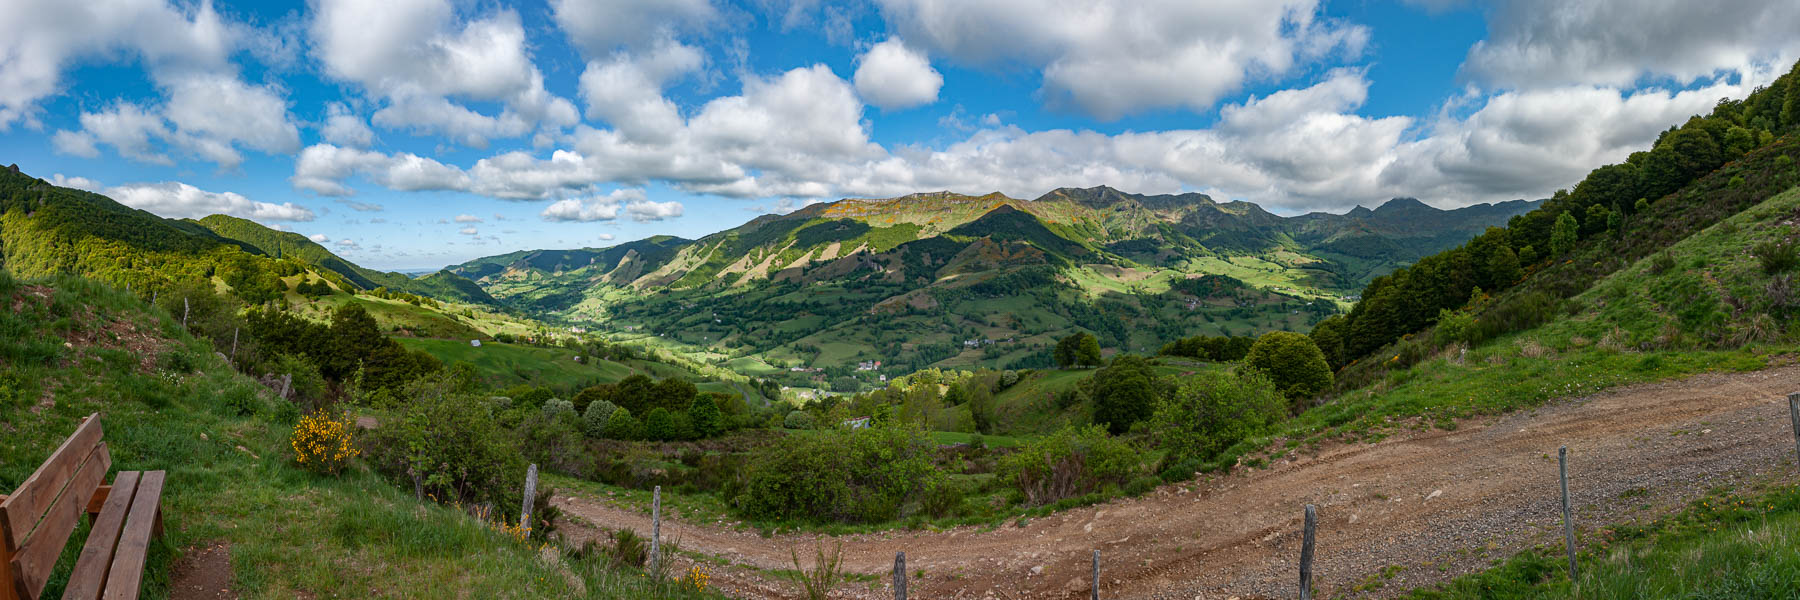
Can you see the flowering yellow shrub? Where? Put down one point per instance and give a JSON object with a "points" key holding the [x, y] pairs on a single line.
{"points": [[322, 442], [696, 579]]}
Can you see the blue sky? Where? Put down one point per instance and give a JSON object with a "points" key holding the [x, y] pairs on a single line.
{"points": [[412, 134]]}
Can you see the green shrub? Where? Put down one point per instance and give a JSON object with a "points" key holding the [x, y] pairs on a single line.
{"points": [[1214, 410], [178, 361], [553, 439], [659, 425], [1125, 392], [1069, 463], [307, 385], [798, 419], [451, 445], [242, 400], [942, 499], [1294, 363], [555, 408], [705, 418], [628, 550], [1662, 262], [622, 426], [1454, 326], [1777, 256], [842, 475], [595, 419], [1142, 485]]}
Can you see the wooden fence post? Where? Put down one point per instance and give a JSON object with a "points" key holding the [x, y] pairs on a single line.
{"points": [[655, 529], [530, 494], [1562, 468], [1794, 416], [184, 311], [234, 335], [287, 380], [900, 575], [1096, 594], [1306, 552]]}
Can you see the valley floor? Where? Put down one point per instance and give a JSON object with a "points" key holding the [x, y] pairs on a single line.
{"points": [[1415, 510]]}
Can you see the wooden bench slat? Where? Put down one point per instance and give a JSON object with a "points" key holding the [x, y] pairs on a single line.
{"points": [[20, 513], [32, 564], [127, 572], [99, 499], [89, 576]]}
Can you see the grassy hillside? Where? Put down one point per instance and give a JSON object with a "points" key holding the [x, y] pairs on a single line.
{"points": [[1701, 305], [281, 244], [72, 347]]}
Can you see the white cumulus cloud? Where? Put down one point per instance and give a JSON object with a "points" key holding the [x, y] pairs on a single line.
{"points": [[895, 77], [596, 208], [180, 200], [1114, 57]]}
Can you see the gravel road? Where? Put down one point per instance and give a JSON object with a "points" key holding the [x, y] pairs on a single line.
{"points": [[1420, 507]]}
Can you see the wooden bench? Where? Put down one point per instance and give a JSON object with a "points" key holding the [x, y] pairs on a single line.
{"points": [[37, 520]]}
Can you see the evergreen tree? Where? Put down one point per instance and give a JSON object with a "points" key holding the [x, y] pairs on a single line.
{"points": [[1563, 235], [704, 415], [659, 425]]}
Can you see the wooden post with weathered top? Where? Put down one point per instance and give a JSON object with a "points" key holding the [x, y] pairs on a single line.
{"points": [[530, 494], [1794, 417], [1562, 468], [1096, 592], [1306, 552], [655, 529], [900, 575]]}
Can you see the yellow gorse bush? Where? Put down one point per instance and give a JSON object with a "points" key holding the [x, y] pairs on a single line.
{"points": [[696, 579], [321, 442]]}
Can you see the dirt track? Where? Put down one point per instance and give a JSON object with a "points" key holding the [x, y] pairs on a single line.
{"points": [[1435, 504]]}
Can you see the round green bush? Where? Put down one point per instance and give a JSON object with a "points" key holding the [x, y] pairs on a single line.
{"points": [[846, 476], [594, 420], [1212, 411], [659, 425], [798, 419], [555, 409], [1294, 363], [622, 426]]}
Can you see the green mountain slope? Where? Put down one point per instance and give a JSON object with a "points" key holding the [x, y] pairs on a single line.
{"points": [[975, 279], [49, 230], [282, 244]]}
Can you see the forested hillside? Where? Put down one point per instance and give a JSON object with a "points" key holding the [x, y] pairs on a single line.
{"points": [[1513, 277]]}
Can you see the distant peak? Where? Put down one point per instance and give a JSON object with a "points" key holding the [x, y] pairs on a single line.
{"points": [[1404, 204]]}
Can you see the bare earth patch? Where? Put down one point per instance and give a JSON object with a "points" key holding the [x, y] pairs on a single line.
{"points": [[203, 573]]}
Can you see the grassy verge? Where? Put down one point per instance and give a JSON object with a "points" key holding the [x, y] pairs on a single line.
{"points": [[1722, 546], [223, 440]]}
